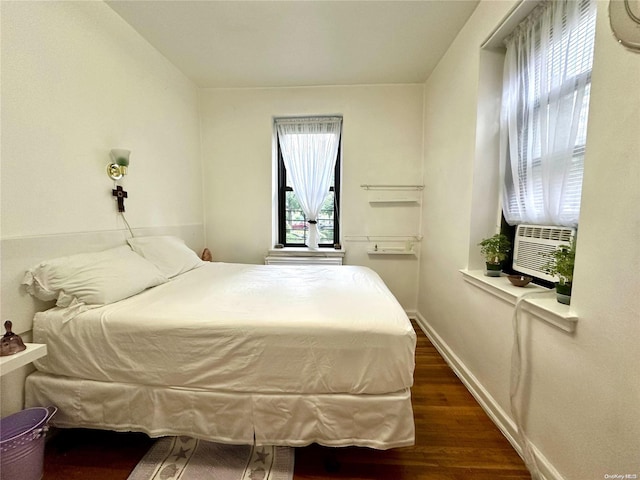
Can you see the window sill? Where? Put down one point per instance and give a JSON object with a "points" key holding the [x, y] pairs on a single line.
{"points": [[545, 308]]}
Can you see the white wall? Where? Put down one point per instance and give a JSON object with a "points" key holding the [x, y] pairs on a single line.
{"points": [[583, 405], [381, 143], [77, 81]]}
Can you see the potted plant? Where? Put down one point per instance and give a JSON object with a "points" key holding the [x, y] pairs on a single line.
{"points": [[495, 250], [560, 265]]}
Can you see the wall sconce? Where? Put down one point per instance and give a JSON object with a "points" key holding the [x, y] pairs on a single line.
{"points": [[120, 161]]}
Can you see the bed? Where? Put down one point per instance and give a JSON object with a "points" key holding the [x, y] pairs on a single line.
{"points": [[234, 353]]}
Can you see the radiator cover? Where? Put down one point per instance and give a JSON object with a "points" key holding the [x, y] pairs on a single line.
{"points": [[304, 256], [297, 260]]}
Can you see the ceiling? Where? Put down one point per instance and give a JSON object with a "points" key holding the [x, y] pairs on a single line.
{"points": [[299, 43]]}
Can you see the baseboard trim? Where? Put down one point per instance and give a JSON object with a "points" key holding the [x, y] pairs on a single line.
{"points": [[495, 412], [412, 314]]}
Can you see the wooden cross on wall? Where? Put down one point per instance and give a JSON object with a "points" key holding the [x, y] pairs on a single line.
{"points": [[120, 194]]}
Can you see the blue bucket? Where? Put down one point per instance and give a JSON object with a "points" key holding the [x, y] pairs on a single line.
{"points": [[22, 437]]}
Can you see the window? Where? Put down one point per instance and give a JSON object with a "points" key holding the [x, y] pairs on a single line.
{"points": [[308, 151], [543, 122], [547, 81]]}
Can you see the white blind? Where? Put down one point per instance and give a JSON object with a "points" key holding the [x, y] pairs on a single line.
{"points": [[547, 80]]}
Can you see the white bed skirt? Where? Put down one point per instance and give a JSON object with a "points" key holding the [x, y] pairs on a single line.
{"points": [[376, 421]]}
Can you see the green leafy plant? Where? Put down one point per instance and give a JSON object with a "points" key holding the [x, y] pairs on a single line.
{"points": [[495, 248], [561, 263]]}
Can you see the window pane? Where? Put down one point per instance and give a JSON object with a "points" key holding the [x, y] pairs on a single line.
{"points": [[331, 185], [326, 220], [297, 228], [296, 222]]}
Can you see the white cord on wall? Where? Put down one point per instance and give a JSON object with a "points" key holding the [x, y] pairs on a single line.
{"points": [[127, 224], [516, 377]]}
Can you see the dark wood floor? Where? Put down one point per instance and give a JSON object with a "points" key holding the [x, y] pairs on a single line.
{"points": [[455, 440]]}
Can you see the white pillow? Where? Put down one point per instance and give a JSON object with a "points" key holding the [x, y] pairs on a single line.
{"points": [[92, 278], [169, 254]]}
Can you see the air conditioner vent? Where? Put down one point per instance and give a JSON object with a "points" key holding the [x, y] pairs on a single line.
{"points": [[532, 245], [559, 234]]}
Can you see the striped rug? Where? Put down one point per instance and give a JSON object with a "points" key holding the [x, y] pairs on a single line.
{"points": [[185, 458]]}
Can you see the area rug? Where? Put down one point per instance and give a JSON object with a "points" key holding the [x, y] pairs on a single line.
{"points": [[185, 458]]}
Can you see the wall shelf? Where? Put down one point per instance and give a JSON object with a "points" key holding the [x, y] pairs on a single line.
{"points": [[381, 186], [20, 359], [391, 251], [392, 200], [383, 238], [390, 195], [394, 205]]}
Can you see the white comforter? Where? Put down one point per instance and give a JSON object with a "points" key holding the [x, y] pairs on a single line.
{"points": [[242, 328]]}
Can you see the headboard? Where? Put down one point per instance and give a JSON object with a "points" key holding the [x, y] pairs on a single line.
{"points": [[19, 254]]}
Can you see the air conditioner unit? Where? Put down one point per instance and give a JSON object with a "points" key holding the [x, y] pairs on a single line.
{"points": [[533, 243]]}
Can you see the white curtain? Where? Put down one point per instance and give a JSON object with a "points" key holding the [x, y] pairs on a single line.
{"points": [[309, 151], [546, 85]]}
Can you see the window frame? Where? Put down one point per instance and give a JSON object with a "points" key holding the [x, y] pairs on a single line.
{"points": [[282, 199]]}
